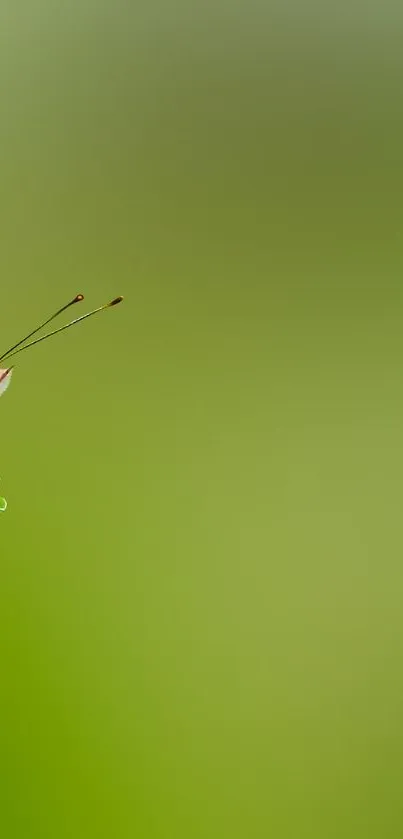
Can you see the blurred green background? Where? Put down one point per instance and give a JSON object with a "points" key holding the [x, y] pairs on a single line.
{"points": [[201, 561]]}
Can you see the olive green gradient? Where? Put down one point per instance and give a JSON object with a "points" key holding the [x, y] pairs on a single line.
{"points": [[201, 561]]}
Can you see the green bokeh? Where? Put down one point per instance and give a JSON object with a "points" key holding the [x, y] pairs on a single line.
{"points": [[201, 560]]}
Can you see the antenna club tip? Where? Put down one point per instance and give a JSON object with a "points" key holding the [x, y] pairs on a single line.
{"points": [[78, 298], [116, 301]]}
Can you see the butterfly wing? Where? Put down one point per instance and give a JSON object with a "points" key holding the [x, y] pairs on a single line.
{"points": [[5, 378]]}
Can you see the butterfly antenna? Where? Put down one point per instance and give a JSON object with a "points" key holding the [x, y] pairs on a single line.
{"points": [[15, 351]]}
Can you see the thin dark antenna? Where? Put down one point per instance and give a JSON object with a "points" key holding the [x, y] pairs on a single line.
{"points": [[15, 351], [77, 299]]}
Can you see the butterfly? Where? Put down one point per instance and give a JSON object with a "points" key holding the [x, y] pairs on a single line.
{"points": [[6, 372]]}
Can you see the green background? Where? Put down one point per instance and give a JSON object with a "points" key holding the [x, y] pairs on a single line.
{"points": [[201, 590]]}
